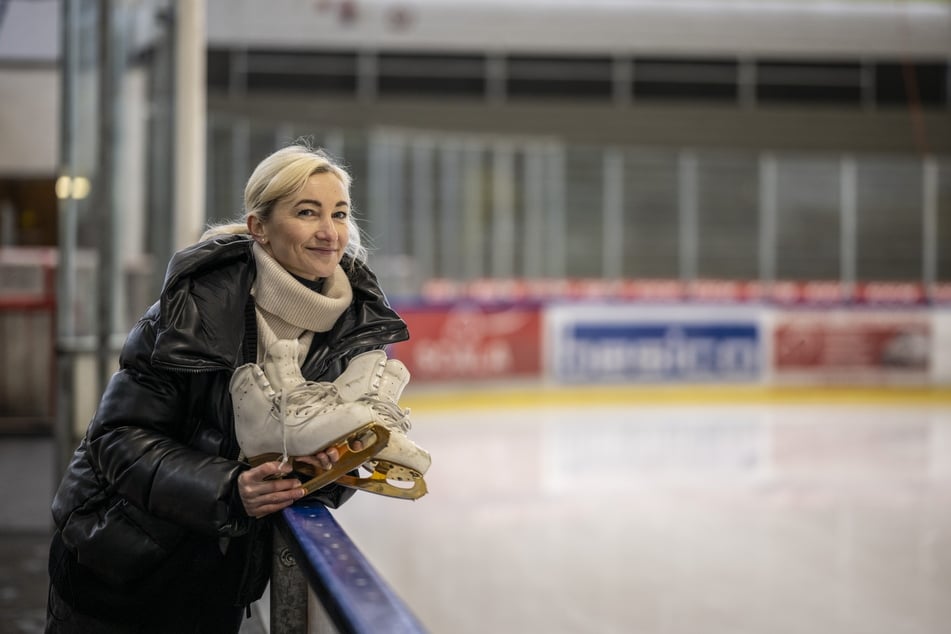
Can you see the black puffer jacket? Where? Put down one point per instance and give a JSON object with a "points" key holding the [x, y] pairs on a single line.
{"points": [[150, 493]]}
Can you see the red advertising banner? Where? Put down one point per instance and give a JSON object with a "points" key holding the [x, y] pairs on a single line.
{"points": [[468, 342], [852, 342]]}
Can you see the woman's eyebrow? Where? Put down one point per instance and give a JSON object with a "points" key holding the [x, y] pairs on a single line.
{"points": [[317, 203]]}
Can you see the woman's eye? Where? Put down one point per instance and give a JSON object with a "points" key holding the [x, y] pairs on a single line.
{"points": [[340, 215], [305, 212]]}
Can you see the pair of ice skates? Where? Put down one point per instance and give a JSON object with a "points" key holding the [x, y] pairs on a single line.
{"points": [[279, 416]]}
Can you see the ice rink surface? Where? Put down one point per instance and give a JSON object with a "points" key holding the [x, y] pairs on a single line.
{"points": [[793, 517], [678, 514]]}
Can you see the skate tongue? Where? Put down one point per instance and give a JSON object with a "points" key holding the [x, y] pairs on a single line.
{"points": [[281, 364]]}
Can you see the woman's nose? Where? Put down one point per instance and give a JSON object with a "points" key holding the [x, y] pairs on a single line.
{"points": [[326, 229]]}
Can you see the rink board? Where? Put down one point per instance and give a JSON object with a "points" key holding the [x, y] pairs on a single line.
{"points": [[676, 343]]}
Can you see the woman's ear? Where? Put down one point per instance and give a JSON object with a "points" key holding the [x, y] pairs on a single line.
{"points": [[256, 229]]}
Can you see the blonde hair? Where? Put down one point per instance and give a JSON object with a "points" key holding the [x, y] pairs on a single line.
{"points": [[282, 174]]}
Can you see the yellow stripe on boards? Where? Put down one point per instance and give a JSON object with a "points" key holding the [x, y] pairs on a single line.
{"points": [[474, 396]]}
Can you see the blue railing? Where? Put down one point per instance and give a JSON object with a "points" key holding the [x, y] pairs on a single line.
{"points": [[312, 549]]}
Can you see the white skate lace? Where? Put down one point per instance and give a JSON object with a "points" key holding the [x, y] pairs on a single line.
{"points": [[301, 401], [307, 397], [391, 414], [282, 412]]}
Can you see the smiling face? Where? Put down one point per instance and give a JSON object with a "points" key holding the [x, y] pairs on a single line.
{"points": [[308, 231]]}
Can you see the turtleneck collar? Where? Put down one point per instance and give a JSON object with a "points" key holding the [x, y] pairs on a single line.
{"points": [[279, 294]]}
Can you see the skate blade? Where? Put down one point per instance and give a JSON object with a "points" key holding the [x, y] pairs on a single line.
{"points": [[381, 481], [348, 460]]}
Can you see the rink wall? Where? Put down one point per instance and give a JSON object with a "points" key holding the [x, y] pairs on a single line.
{"points": [[669, 333]]}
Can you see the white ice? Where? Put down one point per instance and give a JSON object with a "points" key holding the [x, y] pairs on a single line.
{"points": [[694, 519]]}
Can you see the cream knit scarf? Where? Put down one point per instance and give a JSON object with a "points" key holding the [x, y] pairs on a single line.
{"points": [[286, 309]]}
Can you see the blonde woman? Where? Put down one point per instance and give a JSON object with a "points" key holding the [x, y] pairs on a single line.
{"points": [[162, 524]]}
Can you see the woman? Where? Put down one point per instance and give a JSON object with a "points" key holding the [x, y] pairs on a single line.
{"points": [[161, 526]]}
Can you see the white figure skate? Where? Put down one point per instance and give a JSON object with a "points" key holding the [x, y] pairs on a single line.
{"points": [[301, 419], [397, 471]]}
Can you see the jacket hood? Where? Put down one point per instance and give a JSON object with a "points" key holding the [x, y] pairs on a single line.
{"points": [[201, 309]]}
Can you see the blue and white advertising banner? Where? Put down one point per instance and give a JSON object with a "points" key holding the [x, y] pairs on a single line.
{"points": [[617, 343]]}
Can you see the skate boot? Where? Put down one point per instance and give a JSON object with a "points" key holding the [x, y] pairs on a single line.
{"points": [[302, 420], [397, 471]]}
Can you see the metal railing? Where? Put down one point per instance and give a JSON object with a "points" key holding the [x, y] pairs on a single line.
{"points": [[311, 549]]}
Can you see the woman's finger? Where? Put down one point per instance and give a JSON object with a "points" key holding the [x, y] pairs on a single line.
{"points": [[263, 489]]}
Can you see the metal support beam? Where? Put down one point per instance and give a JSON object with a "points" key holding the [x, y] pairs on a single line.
{"points": [[768, 217], [450, 204], [288, 591], [473, 226], [534, 242], [848, 246], [104, 189], [555, 192], [502, 249], [67, 227], [929, 238], [422, 212], [190, 125], [612, 253], [688, 206]]}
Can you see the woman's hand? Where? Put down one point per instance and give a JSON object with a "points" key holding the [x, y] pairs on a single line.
{"points": [[326, 459], [264, 490]]}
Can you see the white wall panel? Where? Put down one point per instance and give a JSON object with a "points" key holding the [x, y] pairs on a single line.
{"points": [[29, 122]]}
